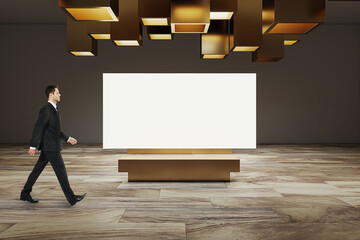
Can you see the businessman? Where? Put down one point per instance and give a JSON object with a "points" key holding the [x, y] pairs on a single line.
{"points": [[48, 135]]}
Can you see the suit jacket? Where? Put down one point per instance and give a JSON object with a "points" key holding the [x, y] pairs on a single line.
{"points": [[47, 130]]}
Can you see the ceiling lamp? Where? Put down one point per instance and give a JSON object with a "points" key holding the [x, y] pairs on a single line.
{"points": [[216, 43], [190, 16], [78, 41], [154, 12], [292, 17], [247, 26], [90, 10], [262, 27], [222, 10], [99, 30], [128, 31], [271, 50], [159, 33], [291, 39]]}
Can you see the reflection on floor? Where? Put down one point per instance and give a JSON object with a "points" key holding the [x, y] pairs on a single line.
{"points": [[282, 192]]}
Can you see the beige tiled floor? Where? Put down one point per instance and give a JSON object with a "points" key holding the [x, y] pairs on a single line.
{"points": [[282, 192]]}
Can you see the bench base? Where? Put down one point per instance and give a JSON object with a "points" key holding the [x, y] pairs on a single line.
{"points": [[179, 168]]}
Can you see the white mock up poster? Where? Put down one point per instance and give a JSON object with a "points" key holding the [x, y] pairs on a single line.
{"points": [[188, 111]]}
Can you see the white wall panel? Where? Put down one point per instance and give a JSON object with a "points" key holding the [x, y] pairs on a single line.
{"points": [[179, 110]]}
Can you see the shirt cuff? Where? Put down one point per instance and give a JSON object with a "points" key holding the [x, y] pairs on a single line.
{"points": [[68, 139], [32, 148]]}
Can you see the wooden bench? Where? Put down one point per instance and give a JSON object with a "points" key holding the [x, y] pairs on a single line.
{"points": [[179, 167]]}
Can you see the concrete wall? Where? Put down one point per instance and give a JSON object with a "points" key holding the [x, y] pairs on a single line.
{"points": [[311, 96]]}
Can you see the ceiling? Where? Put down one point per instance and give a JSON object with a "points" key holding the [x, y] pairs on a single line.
{"points": [[48, 12]]}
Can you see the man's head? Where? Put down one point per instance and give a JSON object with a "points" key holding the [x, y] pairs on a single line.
{"points": [[52, 93]]}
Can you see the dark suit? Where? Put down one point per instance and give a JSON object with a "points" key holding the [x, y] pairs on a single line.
{"points": [[47, 132]]}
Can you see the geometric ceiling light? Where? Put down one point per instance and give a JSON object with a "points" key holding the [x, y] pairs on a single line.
{"points": [[248, 25], [90, 10], [292, 17], [268, 14], [154, 12], [78, 42], [263, 27], [128, 31], [190, 16], [222, 10], [159, 33], [271, 50], [221, 15], [291, 39], [216, 43], [99, 30], [290, 42]]}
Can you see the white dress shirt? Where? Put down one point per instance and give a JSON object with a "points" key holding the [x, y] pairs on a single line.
{"points": [[54, 105]]}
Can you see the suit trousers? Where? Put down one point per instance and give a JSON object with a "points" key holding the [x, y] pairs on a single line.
{"points": [[58, 165]]}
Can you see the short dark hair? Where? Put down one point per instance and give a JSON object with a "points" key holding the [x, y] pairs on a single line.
{"points": [[50, 89]]}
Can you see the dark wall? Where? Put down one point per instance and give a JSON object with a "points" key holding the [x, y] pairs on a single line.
{"points": [[311, 96]]}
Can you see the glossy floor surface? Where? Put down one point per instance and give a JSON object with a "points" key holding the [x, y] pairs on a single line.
{"points": [[281, 192]]}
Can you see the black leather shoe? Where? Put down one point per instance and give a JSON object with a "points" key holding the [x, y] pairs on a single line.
{"points": [[28, 198], [78, 198]]}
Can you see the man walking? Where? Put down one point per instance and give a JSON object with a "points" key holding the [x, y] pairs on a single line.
{"points": [[47, 132]]}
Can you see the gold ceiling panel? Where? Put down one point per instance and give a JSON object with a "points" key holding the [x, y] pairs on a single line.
{"points": [[190, 16], [262, 27]]}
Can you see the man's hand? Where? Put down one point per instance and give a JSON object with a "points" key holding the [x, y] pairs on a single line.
{"points": [[32, 152], [73, 141]]}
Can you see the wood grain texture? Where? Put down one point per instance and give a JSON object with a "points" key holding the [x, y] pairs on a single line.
{"points": [[179, 151], [182, 167], [282, 192]]}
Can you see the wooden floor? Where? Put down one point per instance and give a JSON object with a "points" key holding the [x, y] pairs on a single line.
{"points": [[282, 192]]}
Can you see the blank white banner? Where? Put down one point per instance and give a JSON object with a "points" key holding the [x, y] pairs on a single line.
{"points": [[179, 111]]}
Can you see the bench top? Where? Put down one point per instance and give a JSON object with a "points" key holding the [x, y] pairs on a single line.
{"points": [[179, 157]]}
